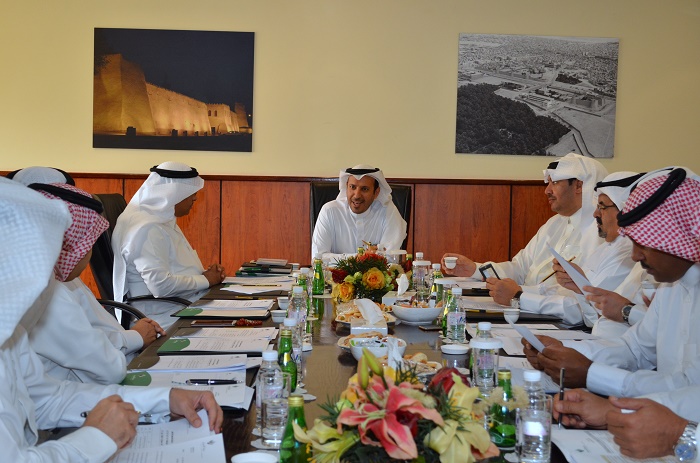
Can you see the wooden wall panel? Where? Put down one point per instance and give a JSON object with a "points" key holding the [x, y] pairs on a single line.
{"points": [[530, 209], [97, 186], [265, 219], [468, 219]]}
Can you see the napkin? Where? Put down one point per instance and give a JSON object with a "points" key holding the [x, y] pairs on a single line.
{"points": [[403, 284], [393, 355], [369, 311]]}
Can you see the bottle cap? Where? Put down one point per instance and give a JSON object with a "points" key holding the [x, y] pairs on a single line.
{"points": [[269, 355], [298, 290], [304, 270], [485, 343], [290, 322], [436, 266], [504, 374], [318, 256], [295, 266], [296, 400], [457, 291], [532, 376], [419, 255], [285, 332], [482, 326]]}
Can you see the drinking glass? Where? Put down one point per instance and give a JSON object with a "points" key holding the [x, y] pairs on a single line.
{"points": [[274, 420], [534, 433]]}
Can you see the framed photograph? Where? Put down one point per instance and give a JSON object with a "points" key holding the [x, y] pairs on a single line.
{"points": [[536, 95], [169, 89]]}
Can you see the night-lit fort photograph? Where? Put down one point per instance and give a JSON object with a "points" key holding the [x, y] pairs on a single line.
{"points": [[166, 89]]}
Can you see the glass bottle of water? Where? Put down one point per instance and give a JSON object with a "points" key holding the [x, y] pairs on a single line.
{"points": [[284, 356], [484, 359], [534, 422], [436, 287], [456, 320], [269, 364]]}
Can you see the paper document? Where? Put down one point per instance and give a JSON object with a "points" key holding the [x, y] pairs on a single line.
{"points": [[175, 363], [198, 345], [592, 446], [256, 285], [234, 304], [529, 336], [578, 279], [269, 261], [517, 367], [239, 333], [482, 303]]}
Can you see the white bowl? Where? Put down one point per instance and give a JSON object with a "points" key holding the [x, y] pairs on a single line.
{"points": [[254, 457], [278, 315], [283, 302], [356, 346], [417, 314]]}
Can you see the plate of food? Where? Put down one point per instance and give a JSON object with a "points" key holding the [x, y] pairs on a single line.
{"points": [[353, 313], [344, 342]]}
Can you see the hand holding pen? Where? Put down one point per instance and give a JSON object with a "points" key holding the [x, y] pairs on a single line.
{"points": [[114, 417]]}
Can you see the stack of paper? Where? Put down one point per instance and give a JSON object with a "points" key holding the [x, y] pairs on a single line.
{"points": [[194, 345], [174, 441], [254, 308], [256, 285], [590, 446]]}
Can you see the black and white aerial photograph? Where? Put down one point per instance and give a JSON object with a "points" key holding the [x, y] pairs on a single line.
{"points": [[536, 95]]}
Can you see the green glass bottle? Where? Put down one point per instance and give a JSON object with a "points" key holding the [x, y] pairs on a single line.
{"points": [[436, 288], [318, 283], [444, 314], [286, 359], [502, 419], [291, 450]]}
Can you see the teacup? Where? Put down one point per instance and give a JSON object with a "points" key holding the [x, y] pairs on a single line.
{"points": [[450, 262]]}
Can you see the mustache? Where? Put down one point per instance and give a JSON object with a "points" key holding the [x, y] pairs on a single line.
{"points": [[598, 221], [644, 265]]}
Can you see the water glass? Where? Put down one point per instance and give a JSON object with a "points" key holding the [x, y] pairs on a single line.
{"points": [[534, 433], [274, 420]]}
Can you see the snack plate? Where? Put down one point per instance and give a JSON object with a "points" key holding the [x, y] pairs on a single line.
{"points": [[390, 320], [344, 342]]}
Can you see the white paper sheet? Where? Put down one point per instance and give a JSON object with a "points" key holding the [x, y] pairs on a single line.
{"points": [[529, 336], [185, 344], [203, 450], [235, 333], [518, 365], [578, 279], [176, 363], [592, 446], [261, 284], [236, 304]]}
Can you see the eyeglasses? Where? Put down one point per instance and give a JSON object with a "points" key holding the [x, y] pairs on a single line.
{"points": [[602, 207]]}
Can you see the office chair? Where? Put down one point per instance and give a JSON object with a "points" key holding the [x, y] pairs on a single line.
{"points": [[323, 191], [102, 264]]}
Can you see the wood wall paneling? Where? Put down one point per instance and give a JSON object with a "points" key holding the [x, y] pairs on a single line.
{"points": [[530, 210], [472, 220], [265, 219]]}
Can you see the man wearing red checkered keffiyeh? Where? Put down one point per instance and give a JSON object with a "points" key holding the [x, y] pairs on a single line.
{"points": [[661, 353]]}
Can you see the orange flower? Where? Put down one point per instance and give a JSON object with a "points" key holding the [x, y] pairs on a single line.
{"points": [[374, 279], [343, 292]]}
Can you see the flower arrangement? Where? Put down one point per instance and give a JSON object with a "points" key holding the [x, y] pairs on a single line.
{"points": [[389, 415], [366, 275]]}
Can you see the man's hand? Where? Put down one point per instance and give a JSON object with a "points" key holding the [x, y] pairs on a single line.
{"points": [[215, 274], [582, 409], [563, 277], [116, 418], [465, 266], [608, 302], [502, 291], [650, 432], [148, 329], [555, 357], [531, 353], [186, 403]]}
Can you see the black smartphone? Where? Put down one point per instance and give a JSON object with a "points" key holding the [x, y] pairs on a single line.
{"points": [[430, 328], [487, 271]]}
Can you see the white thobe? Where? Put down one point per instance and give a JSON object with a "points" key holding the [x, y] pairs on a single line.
{"points": [[161, 262], [667, 339], [339, 231], [31, 400], [605, 267], [631, 289], [684, 402], [71, 348]]}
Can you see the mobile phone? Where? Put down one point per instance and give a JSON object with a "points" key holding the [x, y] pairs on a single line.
{"points": [[430, 328], [487, 271]]}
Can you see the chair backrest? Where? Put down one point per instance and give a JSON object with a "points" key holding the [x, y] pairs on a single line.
{"points": [[324, 191], [102, 260]]}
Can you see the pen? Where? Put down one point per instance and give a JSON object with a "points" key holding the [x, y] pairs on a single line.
{"points": [[85, 414], [210, 382], [561, 389], [261, 285], [552, 274]]}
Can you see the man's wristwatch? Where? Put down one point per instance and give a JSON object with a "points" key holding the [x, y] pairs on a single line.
{"points": [[517, 295], [686, 449], [626, 313]]}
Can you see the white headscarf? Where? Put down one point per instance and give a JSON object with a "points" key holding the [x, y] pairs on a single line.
{"points": [[583, 168], [617, 186], [384, 188], [31, 227], [154, 202], [38, 174]]}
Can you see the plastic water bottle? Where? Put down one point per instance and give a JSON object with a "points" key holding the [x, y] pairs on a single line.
{"points": [[298, 305], [269, 364], [484, 358], [297, 343], [456, 320], [534, 423]]}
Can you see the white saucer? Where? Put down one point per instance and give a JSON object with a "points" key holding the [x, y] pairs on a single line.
{"points": [[455, 349]]}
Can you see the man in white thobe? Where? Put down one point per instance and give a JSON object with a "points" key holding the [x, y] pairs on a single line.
{"points": [[362, 213], [151, 254]]}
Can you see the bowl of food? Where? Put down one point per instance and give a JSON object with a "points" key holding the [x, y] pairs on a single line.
{"points": [[416, 315], [378, 346]]}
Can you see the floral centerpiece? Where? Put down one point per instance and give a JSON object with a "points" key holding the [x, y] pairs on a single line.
{"points": [[388, 415], [365, 275]]}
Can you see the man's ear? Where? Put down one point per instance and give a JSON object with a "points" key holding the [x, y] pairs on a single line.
{"points": [[376, 193], [579, 186]]}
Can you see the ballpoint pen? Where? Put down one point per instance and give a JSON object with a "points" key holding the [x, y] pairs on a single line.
{"points": [[259, 285], [210, 382], [552, 274], [561, 390]]}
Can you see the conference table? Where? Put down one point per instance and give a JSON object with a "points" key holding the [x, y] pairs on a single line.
{"points": [[327, 369]]}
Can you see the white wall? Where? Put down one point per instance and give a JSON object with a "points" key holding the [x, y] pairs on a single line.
{"points": [[339, 82]]}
